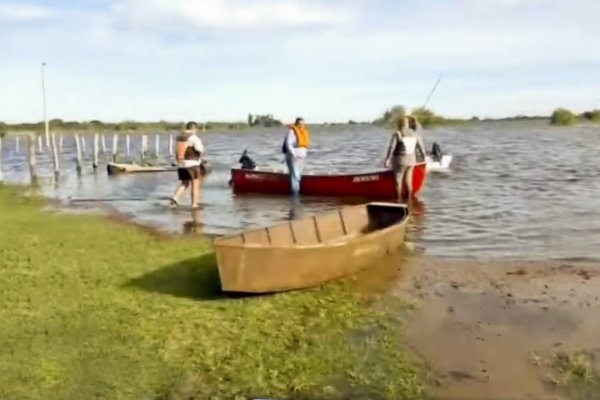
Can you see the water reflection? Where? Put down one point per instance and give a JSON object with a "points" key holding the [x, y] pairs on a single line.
{"points": [[418, 218], [296, 209], [193, 226]]}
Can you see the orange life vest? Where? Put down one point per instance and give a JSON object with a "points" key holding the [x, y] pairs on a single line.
{"points": [[302, 135], [184, 150]]}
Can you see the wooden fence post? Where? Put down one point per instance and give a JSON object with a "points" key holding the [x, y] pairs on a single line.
{"points": [[144, 147], [40, 144], [96, 149], [31, 158], [103, 144], [60, 143], [83, 145], [127, 145], [78, 159], [171, 145], [17, 144], [115, 147], [157, 146], [55, 159]]}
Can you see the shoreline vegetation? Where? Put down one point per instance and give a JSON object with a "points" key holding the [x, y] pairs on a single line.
{"points": [[565, 117], [427, 118], [93, 308]]}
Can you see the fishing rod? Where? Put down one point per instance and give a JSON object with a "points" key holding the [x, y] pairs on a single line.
{"points": [[433, 90]]}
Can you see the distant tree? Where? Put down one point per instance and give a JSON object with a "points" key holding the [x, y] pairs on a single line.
{"points": [[266, 121], [250, 120], [593, 116], [71, 125], [563, 117], [391, 116], [129, 125], [56, 121], [174, 126], [427, 117]]}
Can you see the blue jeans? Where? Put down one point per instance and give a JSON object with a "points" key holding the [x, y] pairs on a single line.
{"points": [[295, 170]]}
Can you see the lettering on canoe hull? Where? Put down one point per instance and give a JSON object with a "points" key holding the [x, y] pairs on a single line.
{"points": [[261, 177], [365, 178]]}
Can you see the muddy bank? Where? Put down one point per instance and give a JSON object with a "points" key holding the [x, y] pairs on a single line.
{"points": [[493, 329]]}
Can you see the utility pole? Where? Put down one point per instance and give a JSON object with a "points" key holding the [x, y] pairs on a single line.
{"points": [[47, 130]]}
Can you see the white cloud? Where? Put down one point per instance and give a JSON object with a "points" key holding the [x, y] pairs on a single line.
{"points": [[25, 12], [357, 61], [502, 3], [224, 14]]}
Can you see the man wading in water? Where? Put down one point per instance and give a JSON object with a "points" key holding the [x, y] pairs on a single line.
{"points": [[295, 147], [189, 158]]}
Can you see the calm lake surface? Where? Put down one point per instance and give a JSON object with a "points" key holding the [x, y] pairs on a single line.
{"points": [[516, 189]]}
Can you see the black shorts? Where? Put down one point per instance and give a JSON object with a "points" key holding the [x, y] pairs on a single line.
{"points": [[187, 174]]}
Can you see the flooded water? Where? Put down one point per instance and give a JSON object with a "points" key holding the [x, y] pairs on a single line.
{"points": [[520, 190]]}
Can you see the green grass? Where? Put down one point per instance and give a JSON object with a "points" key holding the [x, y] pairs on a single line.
{"points": [[577, 375], [98, 310]]}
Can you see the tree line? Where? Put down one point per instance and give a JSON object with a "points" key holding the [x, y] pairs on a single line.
{"points": [[389, 118], [133, 126], [428, 118], [425, 116]]}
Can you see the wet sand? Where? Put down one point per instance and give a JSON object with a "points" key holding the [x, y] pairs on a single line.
{"points": [[490, 329]]}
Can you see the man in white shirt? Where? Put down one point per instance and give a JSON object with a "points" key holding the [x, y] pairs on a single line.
{"points": [[189, 159], [295, 148]]}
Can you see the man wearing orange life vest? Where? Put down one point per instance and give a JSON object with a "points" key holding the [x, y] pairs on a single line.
{"points": [[189, 158], [295, 148]]}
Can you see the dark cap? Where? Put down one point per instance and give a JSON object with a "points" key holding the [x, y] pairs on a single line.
{"points": [[191, 125]]}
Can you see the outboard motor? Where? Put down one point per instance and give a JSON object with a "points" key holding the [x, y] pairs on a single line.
{"points": [[246, 161], [436, 152]]}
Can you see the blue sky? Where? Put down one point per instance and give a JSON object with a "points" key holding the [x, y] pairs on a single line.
{"points": [[328, 60]]}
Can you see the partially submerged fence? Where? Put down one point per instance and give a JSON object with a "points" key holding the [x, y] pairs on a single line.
{"points": [[100, 151]]}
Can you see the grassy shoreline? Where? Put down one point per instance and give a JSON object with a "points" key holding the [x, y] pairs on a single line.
{"points": [[94, 309]]}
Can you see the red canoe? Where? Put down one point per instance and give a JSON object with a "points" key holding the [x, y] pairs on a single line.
{"points": [[379, 184]]}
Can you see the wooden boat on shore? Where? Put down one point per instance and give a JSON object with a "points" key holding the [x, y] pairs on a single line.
{"points": [[377, 185], [130, 168], [310, 251], [126, 168]]}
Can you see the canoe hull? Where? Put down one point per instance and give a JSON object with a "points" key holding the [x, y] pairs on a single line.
{"points": [[258, 268], [379, 184]]}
